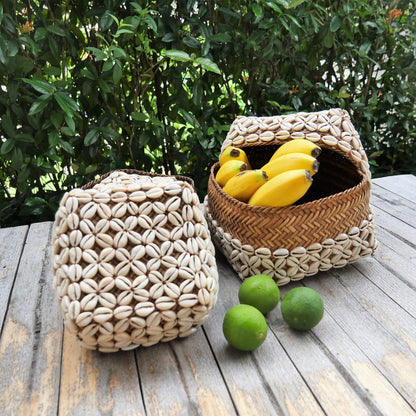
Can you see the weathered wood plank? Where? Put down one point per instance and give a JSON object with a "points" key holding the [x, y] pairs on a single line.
{"points": [[353, 313], [11, 246], [181, 378], [262, 382], [30, 346], [396, 256], [350, 366], [403, 185], [395, 226], [94, 383], [394, 205]]}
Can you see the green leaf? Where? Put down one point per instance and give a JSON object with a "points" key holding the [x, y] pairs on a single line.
{"points": [[117, 72], [177, 55], [343, 92], [40, 34], [91, 137], [67, 147], [295, 3], [7, 146], [139, 116], [257, 9], [40, 86], [335, 24], [17, 158], [221, 37], [70, 122], [107, 65], [123, 31], [197, 92], [24, 64], [151, 24], [3, 51], [208, 65], [67, 104], [56, 30], [53, 138], [40, 104], [98, 53], [7, 126], [52, 70]]}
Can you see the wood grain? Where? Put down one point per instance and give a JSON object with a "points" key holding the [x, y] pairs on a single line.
{"points": [[30, 346]]}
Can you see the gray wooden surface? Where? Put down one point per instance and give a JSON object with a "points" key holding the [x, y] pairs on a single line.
{"points": [[359, 360]]}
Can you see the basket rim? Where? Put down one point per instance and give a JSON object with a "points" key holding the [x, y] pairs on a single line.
{"points": [[292, 209], [137, 172]]}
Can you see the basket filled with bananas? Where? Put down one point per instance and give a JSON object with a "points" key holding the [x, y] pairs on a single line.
{"points": [[290, 195]]}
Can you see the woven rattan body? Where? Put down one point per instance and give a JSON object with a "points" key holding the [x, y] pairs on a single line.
{"points": [[332, 228], [133, 261]]}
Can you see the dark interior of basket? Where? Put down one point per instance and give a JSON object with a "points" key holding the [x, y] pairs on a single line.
{"points": [[336, 173]]}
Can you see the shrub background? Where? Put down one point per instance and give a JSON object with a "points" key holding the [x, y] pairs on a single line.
{"points": [[90, 86]]}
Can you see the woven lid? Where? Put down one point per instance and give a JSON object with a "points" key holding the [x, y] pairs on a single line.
{"points": [[331, 129]]}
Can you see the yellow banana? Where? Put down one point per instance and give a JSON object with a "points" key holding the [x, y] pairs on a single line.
{"points": [[283, 190], [297, 146], [291, 161], [243, 185], [234, 153], [228, 170]]}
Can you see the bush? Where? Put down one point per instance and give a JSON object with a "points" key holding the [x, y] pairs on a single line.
{"points": [[87, 86]]}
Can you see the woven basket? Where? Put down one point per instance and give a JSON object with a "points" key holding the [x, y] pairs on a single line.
{"points": [[331, 226], [133, 261]]}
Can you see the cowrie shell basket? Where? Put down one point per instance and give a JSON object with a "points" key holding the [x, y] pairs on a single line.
{"points": [[330, 227], [133, 261]]}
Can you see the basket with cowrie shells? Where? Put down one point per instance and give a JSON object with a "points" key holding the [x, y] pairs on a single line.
{"points": [[330, 227], [133, 262]]}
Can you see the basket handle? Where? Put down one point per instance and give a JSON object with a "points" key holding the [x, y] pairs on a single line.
{"points": [[331, 129]]}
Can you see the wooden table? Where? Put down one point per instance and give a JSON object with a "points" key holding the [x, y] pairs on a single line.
{"points": [[359, 360]]}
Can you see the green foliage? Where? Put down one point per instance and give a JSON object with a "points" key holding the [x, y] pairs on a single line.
{"points": [[88, 86]]}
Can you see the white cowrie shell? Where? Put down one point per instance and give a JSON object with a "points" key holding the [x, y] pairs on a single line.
{"points": [[173, 189], [173, 204], [119, 197], [88, 210], [119, 210], [175, 218], [104, 240], [144, 309], [74, 309], [72, 221], [123, 312], [137, 196], [102, 314], [101, 197], [71, 204], [75, 255], [187, 300]]}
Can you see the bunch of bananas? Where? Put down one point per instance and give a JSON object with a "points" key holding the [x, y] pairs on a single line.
{"points": [[283, 180]]}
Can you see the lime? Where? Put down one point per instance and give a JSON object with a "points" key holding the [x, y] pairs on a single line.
{"points": [[260, 291], [244, 327], [302, 308]]}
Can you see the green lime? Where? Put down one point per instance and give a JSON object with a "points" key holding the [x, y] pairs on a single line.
{"points": [[244, 327], [260, 291], [302, 308]]}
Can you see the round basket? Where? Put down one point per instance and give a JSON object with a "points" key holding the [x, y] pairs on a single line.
{"points": [[133, 260], [331, 226]]}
